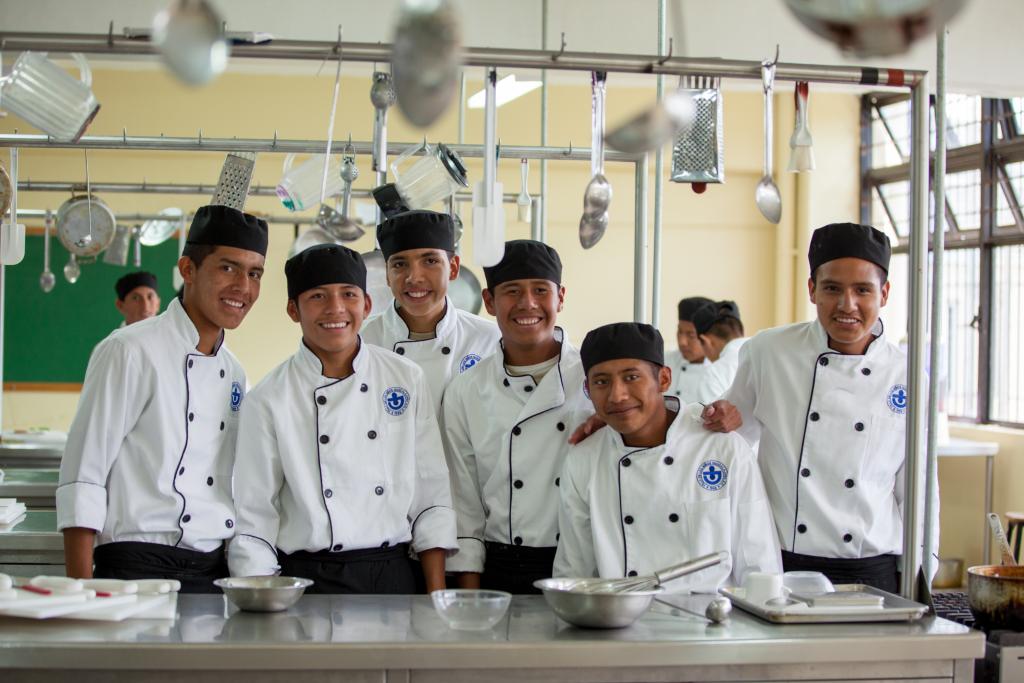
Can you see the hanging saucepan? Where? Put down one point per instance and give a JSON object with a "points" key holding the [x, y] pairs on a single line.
{"points": [[85, 225], [465, 292], [996, 591]]}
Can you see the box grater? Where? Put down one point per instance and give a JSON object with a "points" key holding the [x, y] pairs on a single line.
{"points": [[235, 175], [117, 253], [698, 154]]}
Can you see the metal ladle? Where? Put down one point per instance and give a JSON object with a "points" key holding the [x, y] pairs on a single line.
{"points": [[338, 224], [766, 194], [47, 279], [71, 269], [716, 612], [598, 195], [382, 96]]}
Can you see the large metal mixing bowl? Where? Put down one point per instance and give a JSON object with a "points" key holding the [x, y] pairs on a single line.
{"points": [[263, 593], [594, 610]]}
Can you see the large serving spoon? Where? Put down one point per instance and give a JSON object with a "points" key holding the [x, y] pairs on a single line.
{"points": [[339, 224], [766, 194], [382, 96], [598, 195], [47, 279], [1004, 545]]}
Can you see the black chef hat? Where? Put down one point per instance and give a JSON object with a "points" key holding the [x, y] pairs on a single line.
{"points": [[689, 306], [525, 260], [843, 240], [130, 281], [222, 226], [416, 230], [622, 340], [324, 264], [705, 317]]}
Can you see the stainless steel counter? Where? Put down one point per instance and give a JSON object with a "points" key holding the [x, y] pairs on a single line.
{"points": [[33, 546], [36, 488], [401, 638], [13, 454]]}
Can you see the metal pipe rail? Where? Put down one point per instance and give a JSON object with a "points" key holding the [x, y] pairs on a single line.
{"points": [[278, 145], [111, 44]]}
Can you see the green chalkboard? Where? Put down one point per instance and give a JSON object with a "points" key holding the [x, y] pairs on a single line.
{"points": [[48, 337]]}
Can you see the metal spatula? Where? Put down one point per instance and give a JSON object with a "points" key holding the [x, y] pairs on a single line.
{"points": [[235, 176]]}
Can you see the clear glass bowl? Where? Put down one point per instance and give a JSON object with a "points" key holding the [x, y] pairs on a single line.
{"points": [[466, 609], [807, 582]]}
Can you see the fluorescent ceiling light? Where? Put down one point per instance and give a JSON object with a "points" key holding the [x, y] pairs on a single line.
{"points": [[506, 90]]}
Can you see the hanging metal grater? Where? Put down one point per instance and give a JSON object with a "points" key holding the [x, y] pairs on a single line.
{"points": [[235, 176], [698, 155]]}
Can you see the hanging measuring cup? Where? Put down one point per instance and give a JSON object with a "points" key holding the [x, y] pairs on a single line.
{"points": [[50, 98], [436, 175], [299, 188]]}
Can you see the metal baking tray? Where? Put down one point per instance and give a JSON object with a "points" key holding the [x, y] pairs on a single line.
{"points": [[895, 608]]}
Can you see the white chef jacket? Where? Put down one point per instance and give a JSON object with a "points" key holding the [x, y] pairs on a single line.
{"points": [[832, 430], [461, 341], [150, 450], [686, 376], [628, 511], [506, 438], [339, 464], [721, 372]]}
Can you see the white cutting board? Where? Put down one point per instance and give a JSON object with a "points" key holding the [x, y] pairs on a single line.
{"points": [[140, 608], [47, 606]]}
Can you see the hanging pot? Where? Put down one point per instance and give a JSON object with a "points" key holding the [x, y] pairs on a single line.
{"points": [[85, 225]]}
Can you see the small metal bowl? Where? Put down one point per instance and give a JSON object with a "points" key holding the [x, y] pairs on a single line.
{"points": [[594, 610], [263, 593]]}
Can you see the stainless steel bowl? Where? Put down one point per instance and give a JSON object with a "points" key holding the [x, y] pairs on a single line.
{"points": [[594, 610], [263, 593]]}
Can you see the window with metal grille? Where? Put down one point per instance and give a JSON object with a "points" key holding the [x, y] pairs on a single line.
{"points": [[982, 374]]}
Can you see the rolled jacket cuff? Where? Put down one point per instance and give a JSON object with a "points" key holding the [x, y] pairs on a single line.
{"points": [[81, 504], [470, 557], [435, 528]]}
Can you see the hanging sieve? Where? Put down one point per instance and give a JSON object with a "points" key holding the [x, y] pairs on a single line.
{"points": [[698, 154]]}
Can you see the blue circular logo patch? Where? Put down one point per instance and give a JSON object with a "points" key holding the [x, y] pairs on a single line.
{"points": [[236, 396], [469, 361], [396, 400], [712, 475], [897, 399]]}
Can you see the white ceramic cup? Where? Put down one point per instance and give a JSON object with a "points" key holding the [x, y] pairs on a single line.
{"points": [[50, 98], [760, 587]]}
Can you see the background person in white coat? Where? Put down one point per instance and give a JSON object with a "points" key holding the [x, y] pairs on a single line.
{"points": [[687, 360], [655, 488], [506, 427], [340, 467], [424, 325], [146, 474], [720, 331], [828, 399]]}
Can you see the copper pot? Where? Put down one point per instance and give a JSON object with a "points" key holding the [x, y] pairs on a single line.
{"points": [[996, 594]]}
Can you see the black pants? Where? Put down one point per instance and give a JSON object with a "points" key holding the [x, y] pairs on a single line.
{"points": [[880, 571], [514, 568], [373, 570], [131, 560]]}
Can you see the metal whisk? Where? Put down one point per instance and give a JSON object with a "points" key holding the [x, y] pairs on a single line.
{"points": [[644, 583]]}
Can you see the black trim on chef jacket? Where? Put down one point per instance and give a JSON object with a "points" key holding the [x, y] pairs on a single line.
{"points": [[803, 439], [316, 440], [517, 426]]}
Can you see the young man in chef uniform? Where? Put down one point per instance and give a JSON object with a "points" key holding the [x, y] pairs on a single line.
{"points": [[507, 423], [423, 324], [828, 399], [146, 474], [687, 361], [720, 331], [654, 488], [340, 467], [137, 297]]}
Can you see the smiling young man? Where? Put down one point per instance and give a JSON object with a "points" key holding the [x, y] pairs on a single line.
{"points": [[137, 297], [146, 474], [828, 400], [507, 423], [654, 488], [340, 467], [687, 360], [423, 324]]}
